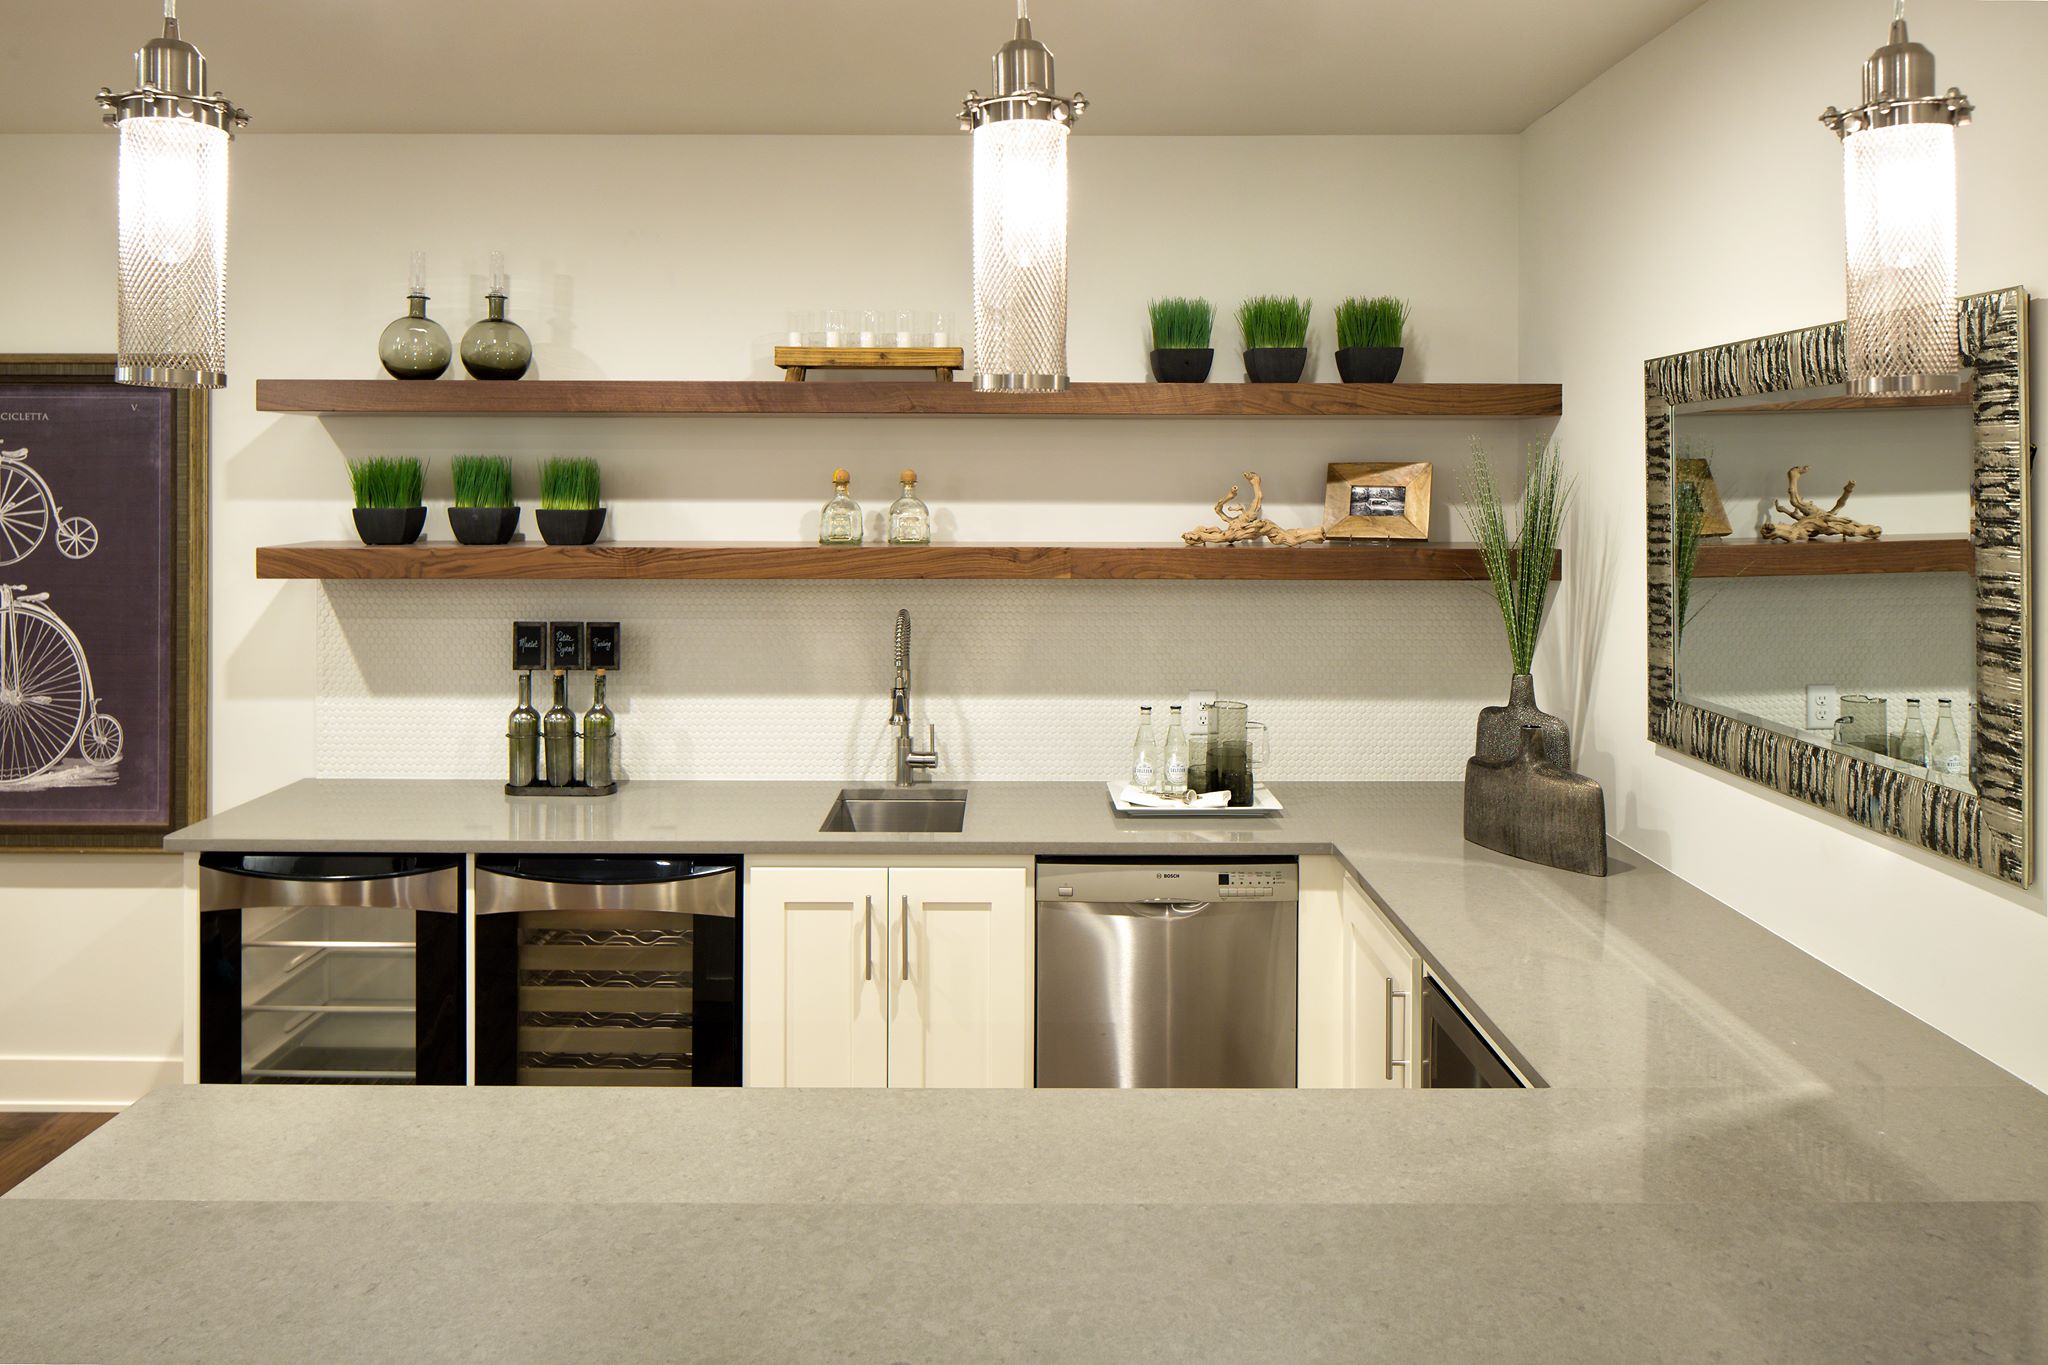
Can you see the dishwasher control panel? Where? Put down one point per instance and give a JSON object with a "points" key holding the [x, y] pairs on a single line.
{"points": [[1154, 882]]}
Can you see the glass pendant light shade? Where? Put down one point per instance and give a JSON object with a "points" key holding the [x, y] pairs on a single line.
{"points": [[1899, 192], [1020, 253], [1020, 218], [1899, 215], [172, 182]]}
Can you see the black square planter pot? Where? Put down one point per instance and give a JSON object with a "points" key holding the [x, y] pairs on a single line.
{"points": [[570, 526], [483, 525], [1275, 364], [1182, 364], [390, 525], [1368, 364]]}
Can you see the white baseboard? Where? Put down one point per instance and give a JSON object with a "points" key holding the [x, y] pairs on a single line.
{"points": [[83, 1083]]}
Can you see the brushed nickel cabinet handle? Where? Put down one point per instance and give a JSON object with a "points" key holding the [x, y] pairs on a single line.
{"points": [[1391, 1062], [869, 974], [906, 938]]}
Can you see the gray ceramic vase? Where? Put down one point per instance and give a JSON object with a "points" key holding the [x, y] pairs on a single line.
{"points": [[1500, 727], [1532, 809]]}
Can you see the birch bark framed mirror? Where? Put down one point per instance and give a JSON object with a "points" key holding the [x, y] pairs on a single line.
{"points": [[1881, 674]]}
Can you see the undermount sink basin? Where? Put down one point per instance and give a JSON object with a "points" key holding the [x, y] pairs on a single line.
{"points": [[897, 810]]}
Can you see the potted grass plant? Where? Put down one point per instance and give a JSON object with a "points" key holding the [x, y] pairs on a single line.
{"points": [[1519, 566], [1181, 353], [484, 513], [571, 501], [391, 506], [1369, 339], [1275, 330]]}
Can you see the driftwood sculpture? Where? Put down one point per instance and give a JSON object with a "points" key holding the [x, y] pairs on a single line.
{"points": [[1810, 521], [1242, 524]]}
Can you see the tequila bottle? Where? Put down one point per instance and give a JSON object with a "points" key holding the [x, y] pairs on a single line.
{"points": [[1145, 754], [910, 521], [522, 736], [558, 737], [1945, 748], [599, 732], [840, 522], [1913, 737]]}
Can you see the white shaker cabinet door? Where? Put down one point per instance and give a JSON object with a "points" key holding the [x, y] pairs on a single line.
{"points": [[815, 976], [1358, 981], [960, 973]]}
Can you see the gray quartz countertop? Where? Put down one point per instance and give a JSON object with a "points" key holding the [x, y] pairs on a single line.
{"points": [[1741, 1155]]}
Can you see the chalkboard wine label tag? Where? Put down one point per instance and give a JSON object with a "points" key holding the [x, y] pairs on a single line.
{"points": [[565, 644], [604, 644], [530, 644]]}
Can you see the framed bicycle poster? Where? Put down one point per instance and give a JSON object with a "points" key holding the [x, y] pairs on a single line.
{"points": [[102, 607]]}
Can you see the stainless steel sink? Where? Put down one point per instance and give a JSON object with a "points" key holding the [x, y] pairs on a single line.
{"points": [[897, 810]]}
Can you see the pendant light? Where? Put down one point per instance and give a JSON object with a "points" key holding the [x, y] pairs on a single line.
{"points": [[173, 204], [1020, 217], [1899, 201]]}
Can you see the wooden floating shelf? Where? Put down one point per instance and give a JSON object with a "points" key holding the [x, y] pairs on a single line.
{"points": [[1894, 554], [892, 398], [1412, 562]]}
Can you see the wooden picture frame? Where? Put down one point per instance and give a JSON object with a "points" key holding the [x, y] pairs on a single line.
{"points": [[115, 553], [1377, 502]]}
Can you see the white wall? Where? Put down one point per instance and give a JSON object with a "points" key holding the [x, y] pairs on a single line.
{"points": [[666, 257], [1687, 198]]}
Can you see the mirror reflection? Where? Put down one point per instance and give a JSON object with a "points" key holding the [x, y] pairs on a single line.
{"points": [[1851, 622]]}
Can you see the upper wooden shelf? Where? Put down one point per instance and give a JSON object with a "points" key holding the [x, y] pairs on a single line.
{"points": [[1397, 561], [713, 398], [1893, 554]]}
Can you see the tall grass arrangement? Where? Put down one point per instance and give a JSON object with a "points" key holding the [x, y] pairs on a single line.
{"points": [[1273, 320], [1181, 324], [482, 481], [1371, 322], [1688, 516], [570, 484], [388, 481], [1519, 566]]}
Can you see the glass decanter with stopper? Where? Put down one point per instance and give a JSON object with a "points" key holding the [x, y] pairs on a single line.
{"points": [[910, 521], [840, 522], [1945, 746], [415, 346], [496, 347]]}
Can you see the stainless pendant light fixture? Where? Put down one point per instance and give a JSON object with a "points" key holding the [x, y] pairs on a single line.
{"points": [[173, 188], [1899, 204], [1020, 217]]}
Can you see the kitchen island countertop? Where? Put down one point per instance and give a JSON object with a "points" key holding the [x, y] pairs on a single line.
{"points": [[1741, 1154]]}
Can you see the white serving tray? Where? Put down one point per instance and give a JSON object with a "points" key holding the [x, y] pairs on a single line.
{"points": [[1263, 803]]}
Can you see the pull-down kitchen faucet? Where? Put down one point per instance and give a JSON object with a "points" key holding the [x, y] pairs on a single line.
{"points": [[909, 758]]}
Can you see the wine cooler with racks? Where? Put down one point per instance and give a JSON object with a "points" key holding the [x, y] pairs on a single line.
{"points": [[334, 968], [611, 970]]}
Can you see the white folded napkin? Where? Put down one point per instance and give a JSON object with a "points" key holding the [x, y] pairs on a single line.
{"points": [[1138, 796]]}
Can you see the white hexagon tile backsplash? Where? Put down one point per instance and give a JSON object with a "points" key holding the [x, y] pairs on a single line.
{"points": [[1025, 681]]}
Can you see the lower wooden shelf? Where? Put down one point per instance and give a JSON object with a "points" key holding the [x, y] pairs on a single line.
{"points": [[1893, 554], [1399, 561]]}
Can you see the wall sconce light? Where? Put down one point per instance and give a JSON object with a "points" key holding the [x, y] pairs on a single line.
{"points": [[1899, 196], [1020, 217], [173, 197]]}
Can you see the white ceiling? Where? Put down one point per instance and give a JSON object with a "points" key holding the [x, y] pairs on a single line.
{"points": [[807, 66]]}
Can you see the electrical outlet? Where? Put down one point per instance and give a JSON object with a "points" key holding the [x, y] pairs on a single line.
{"points": [[1193, 717], [1823, 706]]}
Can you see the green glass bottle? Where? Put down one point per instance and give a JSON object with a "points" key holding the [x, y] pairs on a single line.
{"points": [[599, 732], [558, 738], [522, 736]]}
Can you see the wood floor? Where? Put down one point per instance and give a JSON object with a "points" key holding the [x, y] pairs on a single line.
{"points": [[29, 1142]]}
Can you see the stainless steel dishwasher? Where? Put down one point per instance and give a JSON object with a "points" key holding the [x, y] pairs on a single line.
{"points": [[1160, 974]]}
